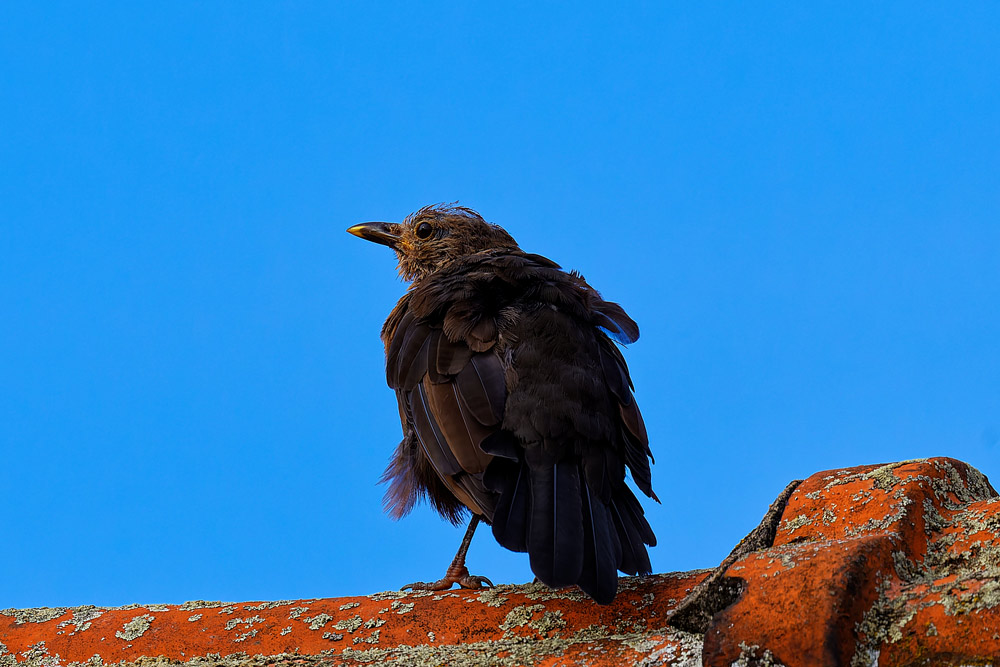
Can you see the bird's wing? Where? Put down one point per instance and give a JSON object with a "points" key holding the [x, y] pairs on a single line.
{"points": [[453, 400]]}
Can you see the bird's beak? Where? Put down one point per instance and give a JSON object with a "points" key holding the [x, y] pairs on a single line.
{"points": [[386, 233]]}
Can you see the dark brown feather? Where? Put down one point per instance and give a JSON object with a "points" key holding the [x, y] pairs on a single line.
{"points": [[602, 552], [482, 389], [446, 358], [461, 431], [510, 519], [555, 527]]}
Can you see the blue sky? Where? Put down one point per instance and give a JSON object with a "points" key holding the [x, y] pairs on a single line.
{"points": [[797, 203]]}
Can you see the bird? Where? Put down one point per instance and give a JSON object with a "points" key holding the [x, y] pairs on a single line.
{"points": [[515, 402]]}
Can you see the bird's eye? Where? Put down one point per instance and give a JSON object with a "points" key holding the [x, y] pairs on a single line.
{"points": [[424, 230]]}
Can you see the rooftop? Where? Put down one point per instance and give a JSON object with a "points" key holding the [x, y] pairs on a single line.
{"points": [[894, 564]]}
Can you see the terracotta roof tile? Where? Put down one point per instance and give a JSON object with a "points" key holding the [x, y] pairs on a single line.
{"points": [[897, 563]]}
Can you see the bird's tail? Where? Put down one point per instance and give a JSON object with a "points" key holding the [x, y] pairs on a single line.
{"points": [[571, 534]]}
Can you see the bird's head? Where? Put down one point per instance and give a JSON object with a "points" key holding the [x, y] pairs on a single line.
{"points": [[435, 236]]}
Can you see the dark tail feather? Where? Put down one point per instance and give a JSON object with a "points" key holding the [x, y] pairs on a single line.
{"points": [[635, 559], [555, 531], [638, 462], [602, 551], [570, 533], [630, 509], [510, 518]]}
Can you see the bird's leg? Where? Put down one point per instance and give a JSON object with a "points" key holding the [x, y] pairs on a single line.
{"points": [[457, 572]]}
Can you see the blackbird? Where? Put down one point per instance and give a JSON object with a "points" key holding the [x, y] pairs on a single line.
{"points": [[515, 403]]}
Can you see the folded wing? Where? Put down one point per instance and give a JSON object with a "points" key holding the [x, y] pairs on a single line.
{"points": [[452, 398]]}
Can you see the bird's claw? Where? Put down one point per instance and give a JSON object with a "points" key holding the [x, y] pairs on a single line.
{"points": [[439, 585], [458, 576], [473, 581]]}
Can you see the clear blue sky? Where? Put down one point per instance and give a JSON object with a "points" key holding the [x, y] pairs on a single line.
{"points": [[798, 204]]}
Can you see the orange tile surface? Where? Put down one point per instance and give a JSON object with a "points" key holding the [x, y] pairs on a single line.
{"points": [[893, 565]]}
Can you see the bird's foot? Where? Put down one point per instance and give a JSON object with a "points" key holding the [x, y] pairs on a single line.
{"points": [[455, 575]]}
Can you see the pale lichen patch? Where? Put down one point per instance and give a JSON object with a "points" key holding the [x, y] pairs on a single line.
{"points": [[350, 624], [520, 616], [387, 595], [202, 604], [882, 525], [549, 622], [491, 597], [34, 615], [539, 591], [402, 608], [370, 639], [268, 605], [233, 622], [974, 487], [438, 596], [862, 497], [135, 628], [748, 657], [905, 568], [641, 645], [791, 525], [987, 596], [883, 477], [630, 625], [422, 594], [349, 605], [318, 621], [682, 649], [38, 654], [933, 521], [82, 616]]}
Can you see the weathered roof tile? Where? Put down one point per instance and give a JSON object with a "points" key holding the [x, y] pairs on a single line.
{"points": [[898, 562]]}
